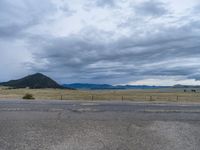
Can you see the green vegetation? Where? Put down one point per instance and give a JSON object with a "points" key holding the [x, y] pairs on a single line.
{"points": [[28, 96]]}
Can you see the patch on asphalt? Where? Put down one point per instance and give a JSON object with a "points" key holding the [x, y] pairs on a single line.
{"points": [[80, 110], [88, 104]]}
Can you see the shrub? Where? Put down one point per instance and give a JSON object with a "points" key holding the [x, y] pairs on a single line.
{"points": [[28, 96]]}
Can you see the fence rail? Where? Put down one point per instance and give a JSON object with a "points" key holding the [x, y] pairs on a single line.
{"points": [[175, 98]]}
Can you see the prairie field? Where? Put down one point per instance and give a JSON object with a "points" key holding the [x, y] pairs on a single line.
{"points": [[173, 95]]}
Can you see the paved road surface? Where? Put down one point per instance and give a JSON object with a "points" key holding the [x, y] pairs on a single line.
{"points": [[59, 125]]}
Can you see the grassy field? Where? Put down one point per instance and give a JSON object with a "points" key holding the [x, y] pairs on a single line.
{"points": [[118, 95]]}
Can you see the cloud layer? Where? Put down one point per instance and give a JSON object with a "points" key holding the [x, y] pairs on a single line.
{"points": [[102, 41]]}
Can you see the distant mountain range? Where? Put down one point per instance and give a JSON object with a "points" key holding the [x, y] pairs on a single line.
{"points": [[35, 81], [107, 86], [186, 86], [40, 81]]}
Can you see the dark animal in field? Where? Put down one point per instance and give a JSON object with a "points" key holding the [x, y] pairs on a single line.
{"points": [[194, 91]]}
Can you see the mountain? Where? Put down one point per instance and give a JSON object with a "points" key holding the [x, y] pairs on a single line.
{"points": [[35, 81], [107, 86], [140, 87], [186, 86], [88, 86]]}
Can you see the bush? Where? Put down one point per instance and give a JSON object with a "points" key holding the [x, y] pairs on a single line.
{"points": [[28, 96]]}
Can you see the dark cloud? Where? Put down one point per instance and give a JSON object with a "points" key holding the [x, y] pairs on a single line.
{"points": [[196, 9], [157, 54], [150, 8], [21, 15], [141, 49], [65, 8], [100, 3], [104, 3]]}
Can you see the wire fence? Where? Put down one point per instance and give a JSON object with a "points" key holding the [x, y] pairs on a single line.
{"points": [[173, 98]]}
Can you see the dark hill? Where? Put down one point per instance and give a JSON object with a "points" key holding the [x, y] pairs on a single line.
{"points": [[35, 81]]}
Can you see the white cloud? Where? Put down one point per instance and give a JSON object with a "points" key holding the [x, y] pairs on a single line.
{"points": [[165, 81]]}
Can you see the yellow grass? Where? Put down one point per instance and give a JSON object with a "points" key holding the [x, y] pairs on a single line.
{"points": [[133, 95]]}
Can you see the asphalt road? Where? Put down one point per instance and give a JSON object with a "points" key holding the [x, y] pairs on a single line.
{"points": [[61, 125]]}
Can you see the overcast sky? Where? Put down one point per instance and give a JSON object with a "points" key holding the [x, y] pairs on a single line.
{"points": [[154, 42]]}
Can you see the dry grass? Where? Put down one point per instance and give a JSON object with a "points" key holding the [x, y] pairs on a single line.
{"points": [[133, 95]]}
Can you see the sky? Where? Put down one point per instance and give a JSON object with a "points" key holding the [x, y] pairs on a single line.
{"points": [[152, 42]]}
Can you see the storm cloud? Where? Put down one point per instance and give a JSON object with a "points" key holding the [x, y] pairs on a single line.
{"points": [[116, 42], [150, 8]]}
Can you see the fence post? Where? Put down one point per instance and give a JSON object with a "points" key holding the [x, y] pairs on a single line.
{"points": [[61, 97], [151, 98], [177, 98], [92, 98], [122, 98]]}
